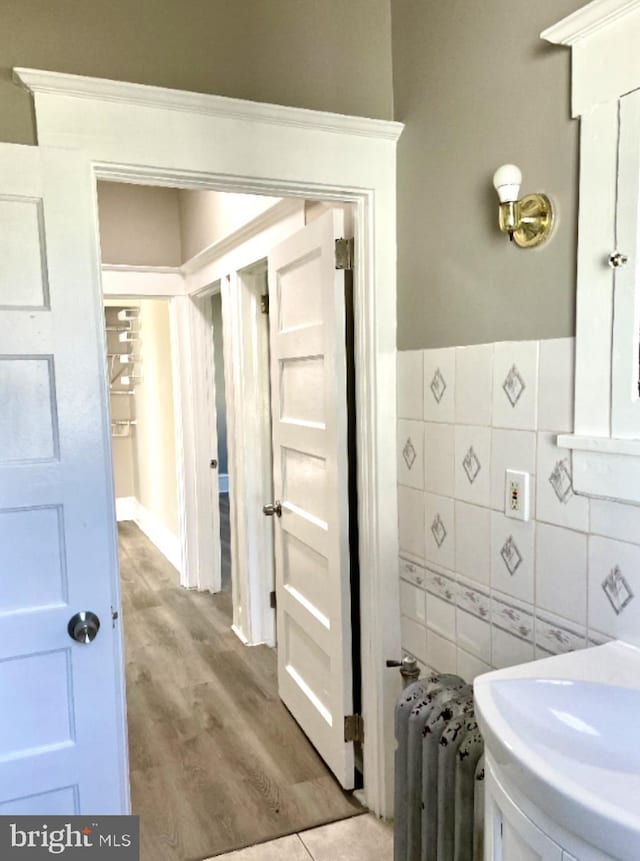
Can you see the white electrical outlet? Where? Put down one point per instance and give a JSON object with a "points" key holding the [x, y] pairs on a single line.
{"points": [[516, 497]]}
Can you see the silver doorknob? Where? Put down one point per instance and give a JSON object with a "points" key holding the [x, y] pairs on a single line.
{"points": [[617, 259], [84, 626], [272, 508]]}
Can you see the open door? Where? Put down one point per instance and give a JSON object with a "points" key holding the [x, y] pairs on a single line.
{"points": [[310, 465], [62, 736]]}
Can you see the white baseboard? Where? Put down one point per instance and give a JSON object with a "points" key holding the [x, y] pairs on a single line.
{"points": [[223, 482], [126, 508], [167, 543]]}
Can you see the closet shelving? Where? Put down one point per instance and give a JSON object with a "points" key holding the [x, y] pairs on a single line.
{"points": [[124, 366]]}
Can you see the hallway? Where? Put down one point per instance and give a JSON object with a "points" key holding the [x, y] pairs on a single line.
{"points": [[216, 761]]}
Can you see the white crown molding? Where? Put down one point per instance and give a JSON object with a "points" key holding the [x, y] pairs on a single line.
{"points": [[590, 19], [38, 81]]}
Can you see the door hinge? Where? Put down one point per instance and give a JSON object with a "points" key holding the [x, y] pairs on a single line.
{"points": [[344, 253], [264, 303], [273, 602], [354, 728], [114, 616]]}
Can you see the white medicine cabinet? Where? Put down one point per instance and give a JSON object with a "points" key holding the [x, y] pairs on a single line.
{"points": [[605, 86]]}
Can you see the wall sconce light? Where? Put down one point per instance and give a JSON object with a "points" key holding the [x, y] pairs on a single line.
{"points": [[528, 221]]}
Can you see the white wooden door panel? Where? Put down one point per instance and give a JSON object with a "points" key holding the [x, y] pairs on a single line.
{"points": [[62, 721], [310, 428]]}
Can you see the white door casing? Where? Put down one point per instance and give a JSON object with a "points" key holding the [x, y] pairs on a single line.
{"points": [[310, 468], [62, 733], [230, 144]]}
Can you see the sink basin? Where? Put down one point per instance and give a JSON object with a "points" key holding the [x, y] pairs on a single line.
{"points": [[565, 732], [587, 721]]}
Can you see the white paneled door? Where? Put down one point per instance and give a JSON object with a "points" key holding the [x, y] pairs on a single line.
{"points": [[61, 714], [310, 457]]}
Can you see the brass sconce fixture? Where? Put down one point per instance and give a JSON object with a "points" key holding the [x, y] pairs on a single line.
{"points": [[528, 221]]}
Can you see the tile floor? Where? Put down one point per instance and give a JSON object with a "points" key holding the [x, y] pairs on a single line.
{"points": [[361, 838]]}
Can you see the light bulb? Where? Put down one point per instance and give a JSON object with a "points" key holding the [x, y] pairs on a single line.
{"points": [[507, 180]]}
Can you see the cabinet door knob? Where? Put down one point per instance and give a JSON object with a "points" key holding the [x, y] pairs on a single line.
{"points": [[617, 259]]}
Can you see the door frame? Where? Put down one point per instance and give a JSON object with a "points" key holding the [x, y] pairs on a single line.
{"points": [[231, 144]]}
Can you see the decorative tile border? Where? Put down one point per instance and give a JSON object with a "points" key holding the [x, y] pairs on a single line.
{"points": [[512, 619], [474, 601], [412, 572], [557, 636], [440, 585]]}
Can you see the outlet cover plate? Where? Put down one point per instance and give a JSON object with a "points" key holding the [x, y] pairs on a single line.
{"points": [[517, 494]]}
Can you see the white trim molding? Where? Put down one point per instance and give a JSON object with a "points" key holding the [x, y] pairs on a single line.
{"points": [[126, 508], [148, 281], [588, 20], [228, 144], [603, 37], [142, 95], [161, 536]]}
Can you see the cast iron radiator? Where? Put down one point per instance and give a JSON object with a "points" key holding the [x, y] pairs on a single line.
{"points": [[439, 772]]}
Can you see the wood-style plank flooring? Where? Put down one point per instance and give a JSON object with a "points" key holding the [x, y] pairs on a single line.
{"points": [[217, 762]]}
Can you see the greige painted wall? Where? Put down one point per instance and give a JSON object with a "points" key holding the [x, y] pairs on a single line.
{"points": [[139, 224], [476, 88], [208, 216], [327, 55]]}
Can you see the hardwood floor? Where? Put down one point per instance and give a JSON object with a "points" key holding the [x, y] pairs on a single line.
{"points": [[217, 763]]}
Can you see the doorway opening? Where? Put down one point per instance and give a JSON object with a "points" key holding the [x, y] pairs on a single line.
{"points": [[203, 698]]}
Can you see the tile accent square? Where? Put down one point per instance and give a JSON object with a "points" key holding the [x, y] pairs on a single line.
{"points": [[561, 572], [512, 556], [439, 385], [473, 464], [439, 446], [473, 542], [614, 584], [511, 449], [617, 590], [515, 385], [556, 381], [439, 530], [555, 500], [410, 442], [410, 386], [473, 384], [411, 523]]}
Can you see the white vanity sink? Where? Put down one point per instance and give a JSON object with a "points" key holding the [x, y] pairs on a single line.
{"points": [[564, 735]]}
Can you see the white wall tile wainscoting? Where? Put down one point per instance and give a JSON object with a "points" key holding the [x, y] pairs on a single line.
{"points": [[479, 589]]}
